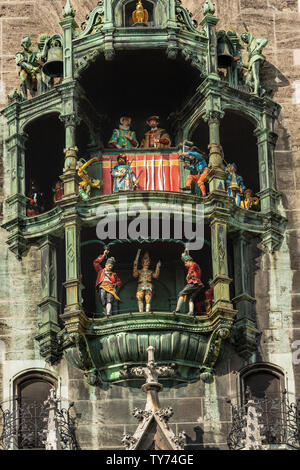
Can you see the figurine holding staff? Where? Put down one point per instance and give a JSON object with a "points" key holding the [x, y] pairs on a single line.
{"points": [[107, 281]]}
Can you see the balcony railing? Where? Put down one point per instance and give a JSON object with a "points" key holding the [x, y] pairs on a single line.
{"points": [[24, 426], [279, 422]]}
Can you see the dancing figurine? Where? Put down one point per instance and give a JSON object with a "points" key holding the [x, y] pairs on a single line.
{"points": [[193, 286], [107, 282], [145, 276]]}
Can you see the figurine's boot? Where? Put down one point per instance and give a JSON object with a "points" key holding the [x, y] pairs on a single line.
{"points": [[141, 306], [191, 308], [148, 306], [179, 303], [108, 309]]}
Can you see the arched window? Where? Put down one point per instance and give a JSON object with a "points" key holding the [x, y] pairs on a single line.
{"points": [[31, 391], [264, 383], [261, 381]]}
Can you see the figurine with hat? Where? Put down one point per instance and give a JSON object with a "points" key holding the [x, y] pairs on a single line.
{"points": [[194, 160], [234, 183], [107, 281], [145, 276], [123, 175], [155, 137], [124, 138], [193, 286]]}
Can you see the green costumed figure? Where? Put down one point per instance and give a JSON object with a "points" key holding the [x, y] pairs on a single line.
{"points": [[123, 138]]}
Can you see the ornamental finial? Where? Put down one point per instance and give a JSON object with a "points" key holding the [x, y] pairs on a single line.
{"points": [[68, 10], [208, 8]]}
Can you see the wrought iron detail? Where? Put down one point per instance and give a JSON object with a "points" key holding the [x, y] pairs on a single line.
{"points": [[279, 420], [24, 426]]}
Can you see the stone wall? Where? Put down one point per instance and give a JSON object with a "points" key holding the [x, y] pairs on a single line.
{"points": [[105, 414]]}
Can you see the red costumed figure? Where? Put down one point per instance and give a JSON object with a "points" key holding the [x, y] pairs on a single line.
{"points": [[107, 282], [193, 286], [156, 137]]}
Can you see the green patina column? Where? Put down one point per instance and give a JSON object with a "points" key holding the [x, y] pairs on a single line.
{"points": [[246, 331], [16, 202], [49, 307], [216, 177], [221, 281], [209, 23], [266, 142], [68, 25]]}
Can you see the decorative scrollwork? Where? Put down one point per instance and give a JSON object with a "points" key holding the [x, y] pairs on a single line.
{"points": [[93, 21], [185, 18]]}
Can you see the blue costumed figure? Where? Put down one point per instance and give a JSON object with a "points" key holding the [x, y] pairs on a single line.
{"points": [[196, 163], [234, 183], [124, 177]]}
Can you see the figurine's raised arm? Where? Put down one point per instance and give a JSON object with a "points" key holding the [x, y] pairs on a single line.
{"points": [[156, 273]]}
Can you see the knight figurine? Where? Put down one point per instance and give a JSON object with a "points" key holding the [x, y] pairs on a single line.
{"points": [[107, 282], [124, 138], [255, 59], [234, 183], [30, 72], [156, 137], [193, 286], [145, 285]]}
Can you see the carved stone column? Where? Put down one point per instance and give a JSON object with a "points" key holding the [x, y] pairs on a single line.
{"points": [[68, 25], [49, 307], [221, 281], [209, 23], [16, 202], [266, 141], [246, 331], [216, 176], [73, 283]]}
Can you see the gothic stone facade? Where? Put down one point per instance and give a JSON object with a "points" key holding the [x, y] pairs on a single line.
{"points": [[199, 408]]}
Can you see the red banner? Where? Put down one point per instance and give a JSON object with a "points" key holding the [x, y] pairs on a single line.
{"points": [[158, 172]]}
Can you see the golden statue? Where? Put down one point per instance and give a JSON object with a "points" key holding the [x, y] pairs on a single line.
{"points": [[140, 15]]}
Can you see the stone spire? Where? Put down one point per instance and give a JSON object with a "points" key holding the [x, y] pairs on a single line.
{"points": [[68, 10], [253, 437], [52, 441], [153, 428]]}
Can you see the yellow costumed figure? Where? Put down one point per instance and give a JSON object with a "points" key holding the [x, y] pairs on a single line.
{"points": [[87, 183]]}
